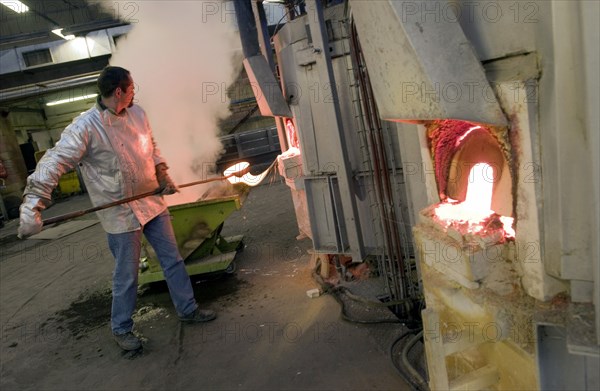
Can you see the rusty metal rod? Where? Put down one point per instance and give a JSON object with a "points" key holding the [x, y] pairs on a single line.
{"points": [[72, 215]]}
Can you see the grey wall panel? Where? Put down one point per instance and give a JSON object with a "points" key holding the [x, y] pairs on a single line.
{"points": [[325, 213]]}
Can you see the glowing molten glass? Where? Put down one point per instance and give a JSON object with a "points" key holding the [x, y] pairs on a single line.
{"points": [[248, 179], [480, 188], [475, 212]]}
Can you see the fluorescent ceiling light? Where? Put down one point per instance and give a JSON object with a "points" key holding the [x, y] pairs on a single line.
{"points": [[69, 100], [15, 5], [60, 34]]}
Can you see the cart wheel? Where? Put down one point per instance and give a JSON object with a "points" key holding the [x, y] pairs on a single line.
{"points": [[231, 268]]}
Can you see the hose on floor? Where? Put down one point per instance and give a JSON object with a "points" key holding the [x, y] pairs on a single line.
{"points": [[404, 367], [338, 291]]}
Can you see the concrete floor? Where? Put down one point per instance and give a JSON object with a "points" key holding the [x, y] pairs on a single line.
{"points": [[55, 308]]}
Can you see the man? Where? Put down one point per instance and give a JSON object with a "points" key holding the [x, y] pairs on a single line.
{"points": [[113, 145]]}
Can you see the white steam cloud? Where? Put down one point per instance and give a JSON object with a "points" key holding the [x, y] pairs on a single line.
{"points": [[181, 57]]}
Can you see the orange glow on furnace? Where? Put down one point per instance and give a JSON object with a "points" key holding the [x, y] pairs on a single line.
{"points": [[461, 138], [477, 205]]}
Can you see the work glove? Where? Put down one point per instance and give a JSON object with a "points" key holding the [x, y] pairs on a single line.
{"points": [[165, 183], [30, 222]]}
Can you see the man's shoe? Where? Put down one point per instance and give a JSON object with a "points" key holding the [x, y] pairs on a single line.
{"points": [[199, 316], [127, 341]]}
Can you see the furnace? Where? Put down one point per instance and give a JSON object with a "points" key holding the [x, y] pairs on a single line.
{"points": [[469, 258], [474, 177]]}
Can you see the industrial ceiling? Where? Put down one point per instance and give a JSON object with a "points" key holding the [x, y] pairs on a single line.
{"points": [[26, 35]]}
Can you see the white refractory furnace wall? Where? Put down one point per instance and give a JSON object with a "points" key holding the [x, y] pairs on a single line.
{"points": [[536, 59]]}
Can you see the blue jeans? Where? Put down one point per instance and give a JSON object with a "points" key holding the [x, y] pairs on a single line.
{"points": [[125, 247]]}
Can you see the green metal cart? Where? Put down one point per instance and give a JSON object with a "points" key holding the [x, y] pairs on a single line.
{"points": [[197, 227]]}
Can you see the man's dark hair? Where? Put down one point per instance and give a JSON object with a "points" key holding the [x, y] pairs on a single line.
{"points": [[111, 78]]}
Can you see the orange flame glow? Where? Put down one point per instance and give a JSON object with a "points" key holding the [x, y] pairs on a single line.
{"points": [[477, 205], [479, 191], [248, 179], [461, 138], [508, 222]]}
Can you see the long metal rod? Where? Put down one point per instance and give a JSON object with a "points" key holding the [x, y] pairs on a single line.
{"points": [[389, 266], [72, 215], [353, 68]]}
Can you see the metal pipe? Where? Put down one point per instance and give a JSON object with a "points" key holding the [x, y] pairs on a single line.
{"points": [[381, 174], [404, 241], [26, 91], [264, 40], [415, 376], [387, 188], [391, 283], [247, 27], [68, 216], [353, 69]]}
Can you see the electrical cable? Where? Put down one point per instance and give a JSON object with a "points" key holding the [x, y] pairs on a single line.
{"points": [[404, 368], [397, 364], [287, 13], [416, 376]]}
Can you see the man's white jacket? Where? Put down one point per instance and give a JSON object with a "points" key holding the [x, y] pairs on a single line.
{"points": [[117, 155]]}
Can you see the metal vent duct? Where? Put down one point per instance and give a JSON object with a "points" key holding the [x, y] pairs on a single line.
{"points": [[422, 64], [268, 93]]}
